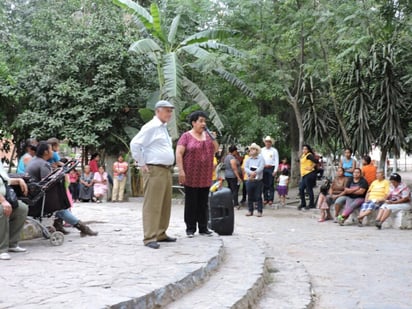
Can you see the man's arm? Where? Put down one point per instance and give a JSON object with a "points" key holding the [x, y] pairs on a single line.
{"points": [[7, 209]]}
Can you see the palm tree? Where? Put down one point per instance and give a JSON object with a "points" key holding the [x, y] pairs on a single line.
{"points": [[167, 54]]}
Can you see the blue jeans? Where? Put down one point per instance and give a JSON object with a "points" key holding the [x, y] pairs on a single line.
{"points": [[67, 216], [307, 182], [254, 194]]}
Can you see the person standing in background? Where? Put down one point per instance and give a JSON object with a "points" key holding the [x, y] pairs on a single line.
{"points": [[233, 174], [271, 157], [194, 158], [308, 177], [254, 166], [94, 163], [120, 168], [74, 184], [153, 151], [244, 176], [348, 163]]}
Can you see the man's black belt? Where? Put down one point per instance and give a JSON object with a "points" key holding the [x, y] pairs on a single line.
{"points": [[161, 165]]}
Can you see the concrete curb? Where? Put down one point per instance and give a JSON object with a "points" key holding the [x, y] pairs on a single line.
{"points": [[169, 293]]}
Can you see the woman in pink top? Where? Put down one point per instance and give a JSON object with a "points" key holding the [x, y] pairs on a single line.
{"points": [[100, 184], [194, 158], [120, 168]]}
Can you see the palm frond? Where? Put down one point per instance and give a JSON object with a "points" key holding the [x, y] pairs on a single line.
{"points": [[173, 30], [222, 48], [233, 80], [195, 51], [157, 22], [145, 46], [200, 98], [173, 74], [204, 36], [134, 8]]}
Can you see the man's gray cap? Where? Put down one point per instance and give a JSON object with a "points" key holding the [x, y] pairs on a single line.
{"points": [[163, 103]]}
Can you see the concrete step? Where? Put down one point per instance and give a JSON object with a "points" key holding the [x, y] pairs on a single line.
{"points": [[238, 283], [288, 287], [112, 270]]}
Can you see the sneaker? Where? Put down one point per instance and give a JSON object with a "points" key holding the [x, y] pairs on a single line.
{"points": [[259, 214], [5, 256], [378, 224], [206, 233], [190, 235], [248, 214], [17, 249], [341, 220]]}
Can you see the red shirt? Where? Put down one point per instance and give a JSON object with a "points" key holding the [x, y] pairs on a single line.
{"points": [[94, 168], [197, 160]]}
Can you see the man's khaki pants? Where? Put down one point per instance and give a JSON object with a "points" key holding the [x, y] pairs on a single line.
{"points": [[157, 184]]}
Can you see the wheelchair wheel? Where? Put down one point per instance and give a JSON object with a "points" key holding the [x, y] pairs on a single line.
{"points": [[56, 239]]}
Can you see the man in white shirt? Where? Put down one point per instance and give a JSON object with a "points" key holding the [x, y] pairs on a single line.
{"points": [[271, 157], [153, 151]]}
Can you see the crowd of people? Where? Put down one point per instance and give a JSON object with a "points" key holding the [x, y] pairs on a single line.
{"points": [[259, 173], [364, 189]]}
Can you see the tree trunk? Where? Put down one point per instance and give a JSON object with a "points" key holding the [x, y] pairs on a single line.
{"points": [[294, 156], [382, 162]]}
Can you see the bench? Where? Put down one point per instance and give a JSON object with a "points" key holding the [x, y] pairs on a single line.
{"points": [[399, 220]]}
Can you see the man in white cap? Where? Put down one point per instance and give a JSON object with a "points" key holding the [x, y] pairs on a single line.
{"points": [[271, 157], [153, 151]]}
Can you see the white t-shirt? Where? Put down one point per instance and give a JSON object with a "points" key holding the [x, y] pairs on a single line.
{"points": [[283, 180]]}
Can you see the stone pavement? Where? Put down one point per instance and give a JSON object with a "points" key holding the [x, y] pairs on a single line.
{"points": [[286, 259]]}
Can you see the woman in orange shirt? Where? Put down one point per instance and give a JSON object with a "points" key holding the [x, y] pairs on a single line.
{"points": [[368, 169]]}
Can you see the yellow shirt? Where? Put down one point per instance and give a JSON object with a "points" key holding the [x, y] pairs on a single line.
{"points": [[306, 166], [245, 158], [378, 190], [214, 176]]}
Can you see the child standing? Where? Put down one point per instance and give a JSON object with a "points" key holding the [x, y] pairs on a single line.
{"points": [[282, 187], [74, 184], [323, 205]]}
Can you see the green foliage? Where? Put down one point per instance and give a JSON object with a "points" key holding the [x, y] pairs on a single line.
{"points": [[81, 81], [172, 58]]}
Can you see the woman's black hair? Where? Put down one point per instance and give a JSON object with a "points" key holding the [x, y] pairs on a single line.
{"points": [[94, 155], [308, 147], [42, 147], [324, 189], [285, 172], [367, 159], [196, 115], [232, 148]]}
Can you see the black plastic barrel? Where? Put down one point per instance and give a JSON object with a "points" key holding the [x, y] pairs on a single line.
{"points": [[221, 215]]}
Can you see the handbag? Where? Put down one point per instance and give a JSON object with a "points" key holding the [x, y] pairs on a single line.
{"points": [[11, 195]]}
